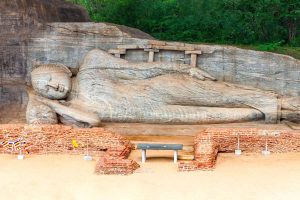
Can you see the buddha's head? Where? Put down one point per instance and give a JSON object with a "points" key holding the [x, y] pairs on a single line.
{"points": [[52, 81]]}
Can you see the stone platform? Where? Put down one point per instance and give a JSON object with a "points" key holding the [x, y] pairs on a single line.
{"points": [[201, 143], [136, 129]]}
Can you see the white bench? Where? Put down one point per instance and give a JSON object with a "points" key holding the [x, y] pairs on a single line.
{"points": [[147, 146]]}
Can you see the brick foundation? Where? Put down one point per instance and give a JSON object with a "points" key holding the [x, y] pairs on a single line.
{"points": [[51, 139], [115, 165], [43, 139], [209, 142]]}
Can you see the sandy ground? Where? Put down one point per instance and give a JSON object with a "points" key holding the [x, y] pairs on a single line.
{"points": [[251, 176]]}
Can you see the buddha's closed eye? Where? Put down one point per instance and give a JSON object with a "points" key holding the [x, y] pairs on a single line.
{"points": [[53, 85]]}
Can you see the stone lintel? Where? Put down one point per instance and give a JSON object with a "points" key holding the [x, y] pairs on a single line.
{"points": [[173, 48], [128, 46], [193, 52], [131, 46], [117, 51], [152, 50]]}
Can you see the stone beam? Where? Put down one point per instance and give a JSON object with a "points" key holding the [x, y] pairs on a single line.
{"points": [[117, 52], [173, 48]]}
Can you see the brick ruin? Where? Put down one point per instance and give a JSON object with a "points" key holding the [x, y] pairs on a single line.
{"points": [[210, 141], [114, 149], [115, 165], [51, 139]]}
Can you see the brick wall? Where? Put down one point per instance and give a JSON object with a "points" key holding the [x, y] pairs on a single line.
{"points": [[44, 139], [58, 139], [210, 141]]}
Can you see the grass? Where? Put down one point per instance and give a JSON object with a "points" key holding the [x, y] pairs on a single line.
{"points": [[271, 47], [286, 50]]}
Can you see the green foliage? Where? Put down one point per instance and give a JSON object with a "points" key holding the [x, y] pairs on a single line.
{"points": [[269, 47], [211, 21], [287, 50]]}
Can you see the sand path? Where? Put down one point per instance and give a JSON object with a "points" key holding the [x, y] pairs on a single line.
{"points": [[248, 177]]}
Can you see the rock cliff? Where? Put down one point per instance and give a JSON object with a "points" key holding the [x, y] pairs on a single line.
{"points": [[19, 21], [47, 31]]}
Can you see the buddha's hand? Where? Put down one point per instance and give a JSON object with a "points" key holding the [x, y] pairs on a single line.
{"points": [[200, 74]]}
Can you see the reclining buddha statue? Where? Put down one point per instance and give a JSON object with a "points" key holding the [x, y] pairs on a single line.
{"points": [[110, 89]]}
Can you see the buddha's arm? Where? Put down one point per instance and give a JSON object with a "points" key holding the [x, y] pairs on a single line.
{"points": [[127, 70], [160, 68], [122, 69]]}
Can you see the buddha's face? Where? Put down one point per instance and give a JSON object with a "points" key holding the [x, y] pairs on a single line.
{"points": [[52, 81]]}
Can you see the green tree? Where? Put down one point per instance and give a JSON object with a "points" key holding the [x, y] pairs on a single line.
{"points": [[217, 21], [290, 17]]}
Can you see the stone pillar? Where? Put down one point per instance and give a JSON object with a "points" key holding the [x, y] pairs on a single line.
{"points": [[194, 60], [194, 55], [151, 54]]}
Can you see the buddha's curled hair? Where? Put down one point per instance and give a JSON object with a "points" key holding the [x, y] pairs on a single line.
{"points": [[50, 68]]}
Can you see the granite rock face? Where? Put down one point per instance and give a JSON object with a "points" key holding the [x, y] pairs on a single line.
{"points": [[43, 32], [19, 21], [27, 27], [263, 70], [68, 43], [111, 89], [45, 10]]}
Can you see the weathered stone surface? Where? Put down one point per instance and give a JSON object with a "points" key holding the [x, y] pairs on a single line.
{"points": [[19, 21], [111, 89], [26, 40], [45, 10], [13, 102], [35, 116], [68, 43], [264, 70]]}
